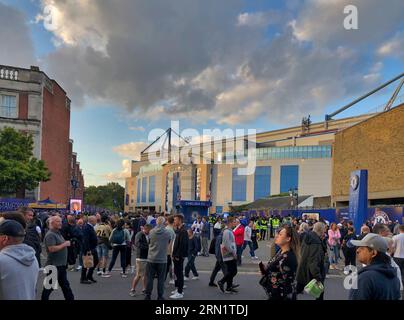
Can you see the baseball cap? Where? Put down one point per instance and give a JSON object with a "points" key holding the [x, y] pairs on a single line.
{"points": [[373, 241], [11, 228]]}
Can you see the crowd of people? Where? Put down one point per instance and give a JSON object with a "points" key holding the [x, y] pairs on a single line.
{"points": [[303, 251]]}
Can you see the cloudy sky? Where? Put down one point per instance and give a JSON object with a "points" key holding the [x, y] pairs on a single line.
{"points": [[131, 66]]}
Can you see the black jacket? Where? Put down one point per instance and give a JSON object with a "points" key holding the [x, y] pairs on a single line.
{"points": [[90, 240], [377, 281], [312, 265], [180, 249], [193, 247], [142, 246], [32, 238]]}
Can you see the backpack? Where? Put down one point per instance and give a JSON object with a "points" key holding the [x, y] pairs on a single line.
{"points": [[118, 237]]}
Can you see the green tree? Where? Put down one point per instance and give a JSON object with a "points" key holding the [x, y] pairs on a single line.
{"points": [[19, 170], [110, 196]]}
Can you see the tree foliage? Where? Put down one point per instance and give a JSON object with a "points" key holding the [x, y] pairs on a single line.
{"points": [[19, 169], [110, 196]]}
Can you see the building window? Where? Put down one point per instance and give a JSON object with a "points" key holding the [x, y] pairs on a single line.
{"points": [[262, 182], [239, 186], [152, 186], [144, 189], [289, 178], [8, 106], [138, 191]]}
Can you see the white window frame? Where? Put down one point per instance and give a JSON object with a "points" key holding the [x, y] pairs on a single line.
{"points": [[17, 102]]}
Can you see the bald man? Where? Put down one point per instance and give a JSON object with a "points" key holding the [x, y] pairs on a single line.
{"points": [[56, 248]]}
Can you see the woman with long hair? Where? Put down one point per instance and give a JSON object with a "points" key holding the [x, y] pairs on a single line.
{"points": [[334, 237], [280, 273]]}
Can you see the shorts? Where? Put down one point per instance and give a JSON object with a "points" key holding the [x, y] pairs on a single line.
{"points": [[140, 268], [102, 250]]}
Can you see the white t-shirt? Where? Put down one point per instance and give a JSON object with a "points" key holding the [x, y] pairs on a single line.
{"points": [[197, 227], [247, 233], [218, 225], [398, 243]]}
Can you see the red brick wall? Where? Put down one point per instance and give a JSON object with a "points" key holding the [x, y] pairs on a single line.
{"points": [[55, 144], [23, 106]]}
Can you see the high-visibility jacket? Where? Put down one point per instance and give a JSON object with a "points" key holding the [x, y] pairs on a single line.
{"points": [[264, 225], [275, 223], [257, 225]]}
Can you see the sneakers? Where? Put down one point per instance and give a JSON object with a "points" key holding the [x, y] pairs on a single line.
{"points": [[106, 275], [79, 268], [231, 290], [220, 286], [195, 278], [186, 278], [174, 292], [99, 273], [132, 293], [254, 258], [234, 286], [177, 296], [212, 284], [172, 281], [124, 275], [346, 272]]}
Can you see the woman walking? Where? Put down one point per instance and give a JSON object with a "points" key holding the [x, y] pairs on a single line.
{"points": [[279, 276], [334, 237], [119, 238]]}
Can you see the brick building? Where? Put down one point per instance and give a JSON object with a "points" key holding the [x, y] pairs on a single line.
{"points": [[376, 144], [31, 102]]}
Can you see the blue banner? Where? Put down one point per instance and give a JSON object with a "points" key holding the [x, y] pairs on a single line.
{"points": [[13, 204]]}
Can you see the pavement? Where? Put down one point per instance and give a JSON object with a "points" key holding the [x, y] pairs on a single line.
{"points": [[117, 288]]}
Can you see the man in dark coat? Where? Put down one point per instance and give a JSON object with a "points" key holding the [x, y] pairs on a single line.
{"points": [[180, 251], [71, 233], [89, 244], [313, 251], [32, 232]]}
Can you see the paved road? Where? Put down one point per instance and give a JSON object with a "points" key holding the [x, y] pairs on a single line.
{"points": [[117, 288]]}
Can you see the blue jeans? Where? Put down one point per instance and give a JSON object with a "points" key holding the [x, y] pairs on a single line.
{"points": [[158, 269], [334, 254], [250, 245]]}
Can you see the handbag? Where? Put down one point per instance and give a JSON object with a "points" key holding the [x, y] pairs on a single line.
{"points": [[88, 261]]}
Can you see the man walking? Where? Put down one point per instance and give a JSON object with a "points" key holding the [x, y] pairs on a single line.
{"points": [[205, 236], [157, 258], [239, 238], [56, 247], [103, 232], [90, 242], [18, 265], [142, 251], [229, 256], [312, 266], [33, 232], [180, 251]]}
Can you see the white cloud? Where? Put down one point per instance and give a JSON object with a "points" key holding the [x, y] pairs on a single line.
{"points": [[259, 19], [16, 47], [393, 47], [321, 21], [130, 150], [122, 175], [140, 128], [211, 61]]}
